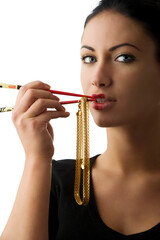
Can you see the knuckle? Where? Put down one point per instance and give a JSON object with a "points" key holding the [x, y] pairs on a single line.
{"points": [[21, 122], [38, 82], [30, 93], [14, 116], [23, 89], [18, 121], [33, 124], [40, 102]]}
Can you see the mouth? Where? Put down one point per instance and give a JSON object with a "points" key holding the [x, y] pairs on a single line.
{"points": [[101, 98], [103, 102]]}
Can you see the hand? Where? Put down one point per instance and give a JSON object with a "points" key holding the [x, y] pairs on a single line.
{"points": [[31, 119]]}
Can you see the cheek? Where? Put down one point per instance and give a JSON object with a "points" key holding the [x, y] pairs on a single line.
{"points": [[138, 82], [148, 87], [130, 86], [84, 80], [139, 96]]}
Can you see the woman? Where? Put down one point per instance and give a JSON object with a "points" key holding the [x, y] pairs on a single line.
{"points": [[120, 59]]}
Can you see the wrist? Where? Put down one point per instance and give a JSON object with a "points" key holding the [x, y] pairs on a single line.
{"points": [[38, 162]]}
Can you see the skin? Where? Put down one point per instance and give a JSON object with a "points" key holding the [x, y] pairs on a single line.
{"points": [[127, 175], [32, 122], [130, 166], [133, 123]]}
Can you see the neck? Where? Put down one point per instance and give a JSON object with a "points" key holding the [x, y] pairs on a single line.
{"points": [[135, 148]]}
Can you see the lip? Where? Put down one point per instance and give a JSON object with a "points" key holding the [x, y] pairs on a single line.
{"points": [[101, 95], [109, 102], [107, 98]]}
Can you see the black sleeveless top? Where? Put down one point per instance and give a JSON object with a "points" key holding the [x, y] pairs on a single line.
{"points": [[69, 221]]}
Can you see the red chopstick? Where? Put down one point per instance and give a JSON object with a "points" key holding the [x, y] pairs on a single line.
{"points": [[69, 94], [76, 101], [5, 85]]}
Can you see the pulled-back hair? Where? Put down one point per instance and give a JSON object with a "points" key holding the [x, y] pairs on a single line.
{"points": [[146, 12]]}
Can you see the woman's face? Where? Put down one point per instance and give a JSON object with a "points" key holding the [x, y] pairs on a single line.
{"points": [[118, 60]]}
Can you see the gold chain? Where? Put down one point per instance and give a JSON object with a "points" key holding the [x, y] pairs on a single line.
{"points": [[82, 157]]}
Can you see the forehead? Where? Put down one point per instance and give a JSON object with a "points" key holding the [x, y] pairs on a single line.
{"points": [[110, 28]]}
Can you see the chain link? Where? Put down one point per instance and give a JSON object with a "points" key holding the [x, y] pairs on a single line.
{"points": [[82, 155]]}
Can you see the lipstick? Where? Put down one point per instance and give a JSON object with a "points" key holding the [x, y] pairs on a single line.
{"points": [[102, 102]]}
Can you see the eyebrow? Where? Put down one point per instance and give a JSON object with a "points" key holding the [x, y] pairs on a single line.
{"points": [[112, 48]]}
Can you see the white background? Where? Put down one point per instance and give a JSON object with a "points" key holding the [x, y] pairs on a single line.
{"points": [[40, 40]]}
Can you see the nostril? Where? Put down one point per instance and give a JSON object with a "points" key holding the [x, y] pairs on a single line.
{"points": [[102, 84]]}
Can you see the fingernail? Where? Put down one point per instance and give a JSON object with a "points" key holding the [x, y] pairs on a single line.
{"points": [[47, 86]]}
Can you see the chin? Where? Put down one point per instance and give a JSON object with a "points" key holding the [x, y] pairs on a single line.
{"points": [[101, 122], [103, 119]]}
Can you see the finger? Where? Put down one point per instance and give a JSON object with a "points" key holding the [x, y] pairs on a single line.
{"points": [[32, 85], [39, 106], [47, 116], [30, 96]]}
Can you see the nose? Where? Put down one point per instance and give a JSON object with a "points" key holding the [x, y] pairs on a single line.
{"points": [[101, 76]]}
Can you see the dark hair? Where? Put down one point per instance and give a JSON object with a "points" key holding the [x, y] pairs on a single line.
{"points": [[147, 12]]}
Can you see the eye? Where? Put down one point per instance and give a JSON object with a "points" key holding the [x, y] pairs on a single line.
{"points": [[126, 58], [88, 59]]}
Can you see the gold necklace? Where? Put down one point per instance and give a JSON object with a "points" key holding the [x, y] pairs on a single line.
{"points": [[82, 156]]}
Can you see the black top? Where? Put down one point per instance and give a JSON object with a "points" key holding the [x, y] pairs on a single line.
{"points": [[69, 221]]}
